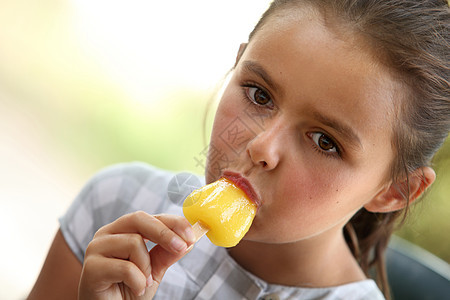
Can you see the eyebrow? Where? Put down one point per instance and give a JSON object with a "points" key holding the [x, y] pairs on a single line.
{"points": [[256, 68], [346, 131]]}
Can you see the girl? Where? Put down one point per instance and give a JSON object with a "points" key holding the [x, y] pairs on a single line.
{"points": [[332, 114]]}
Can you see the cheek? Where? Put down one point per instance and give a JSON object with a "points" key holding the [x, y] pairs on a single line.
{"points": [[324, 197], [227, 111], [313, 187], [229, 135]]}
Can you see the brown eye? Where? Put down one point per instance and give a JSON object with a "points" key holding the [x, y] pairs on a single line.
{"points": [[258, 96], [324, 142]]}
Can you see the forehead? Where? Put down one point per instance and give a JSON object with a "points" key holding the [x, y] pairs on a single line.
{"points": [[328, 71]]}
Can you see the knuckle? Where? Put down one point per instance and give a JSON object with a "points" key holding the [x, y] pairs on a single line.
{"points": [[127, 269], [134, 240], [92, 246], [165, 233], [88, 251], [101, 231], [126, 218], [141, 215], [88, 262]]}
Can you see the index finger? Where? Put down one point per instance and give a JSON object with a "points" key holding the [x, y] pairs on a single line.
{"points": [[173, 233]]}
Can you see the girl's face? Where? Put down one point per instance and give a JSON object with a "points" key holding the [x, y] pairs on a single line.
{"points": [[307, 118]]}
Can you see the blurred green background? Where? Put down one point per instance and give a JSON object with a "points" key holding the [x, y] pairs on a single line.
{"points": [[80, 89]]}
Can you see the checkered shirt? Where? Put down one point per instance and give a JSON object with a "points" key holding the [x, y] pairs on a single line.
{"points": [[207, 272]]}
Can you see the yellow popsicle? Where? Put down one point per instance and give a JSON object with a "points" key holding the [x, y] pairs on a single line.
{"points": [[221, 208]]}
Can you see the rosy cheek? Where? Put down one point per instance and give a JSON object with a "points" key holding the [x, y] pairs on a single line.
{"points": [[313, 187]]}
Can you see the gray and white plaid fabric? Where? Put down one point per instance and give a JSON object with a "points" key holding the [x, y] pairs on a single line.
{"points": [[207, 272]]}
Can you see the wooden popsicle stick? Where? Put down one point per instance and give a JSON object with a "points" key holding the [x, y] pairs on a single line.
{"points": [[200, 229]]}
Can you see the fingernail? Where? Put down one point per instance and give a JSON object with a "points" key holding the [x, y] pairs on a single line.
{"points": [[190, 235], [149, 281], [177, 244]]}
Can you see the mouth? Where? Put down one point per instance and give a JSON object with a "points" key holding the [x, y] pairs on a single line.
{"points": [[244, 185]]}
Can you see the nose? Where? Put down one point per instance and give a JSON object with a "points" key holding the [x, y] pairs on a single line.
{"points": [[265, 149]]}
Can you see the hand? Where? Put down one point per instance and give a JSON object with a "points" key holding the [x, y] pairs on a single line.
{"points": [[117, 264]]}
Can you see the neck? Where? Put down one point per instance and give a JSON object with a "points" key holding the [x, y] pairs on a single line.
{"points": [[314, 262]]}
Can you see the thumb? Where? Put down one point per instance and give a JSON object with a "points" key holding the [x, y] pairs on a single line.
{"points": [[161, 260]]}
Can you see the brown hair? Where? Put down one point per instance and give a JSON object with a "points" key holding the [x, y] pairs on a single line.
{"points": [[411, 37]]}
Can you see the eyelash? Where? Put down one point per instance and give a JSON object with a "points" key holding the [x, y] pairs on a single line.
{"points": [[245, 89], [316, 147]]}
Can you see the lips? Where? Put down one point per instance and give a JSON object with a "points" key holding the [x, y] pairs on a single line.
{"points": [[244, 185]]}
